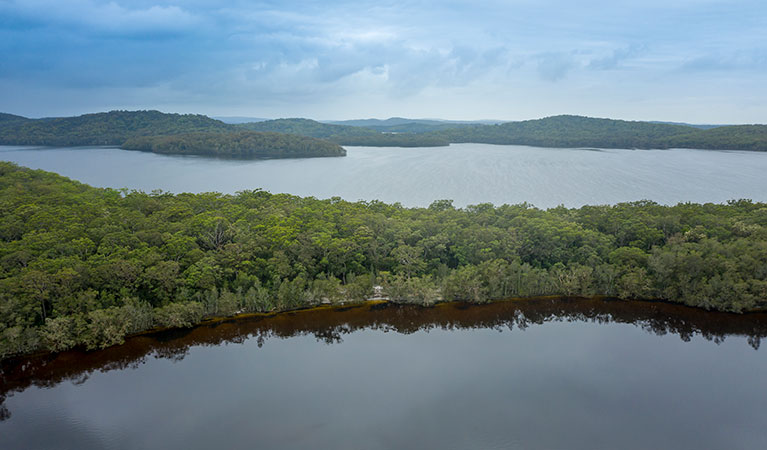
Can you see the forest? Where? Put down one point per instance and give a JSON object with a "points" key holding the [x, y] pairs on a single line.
{"points": [[85, 267], [240, 144], [117, 127], [346, 134], [556, 131], [109, 128], [577, 131]]}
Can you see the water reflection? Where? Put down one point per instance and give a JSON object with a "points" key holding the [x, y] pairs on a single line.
{"points": [[331, 324]]}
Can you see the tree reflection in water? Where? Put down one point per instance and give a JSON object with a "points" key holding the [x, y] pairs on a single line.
{"points": [[331, 324]]}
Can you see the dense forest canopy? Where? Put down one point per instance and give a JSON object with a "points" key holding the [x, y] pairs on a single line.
{"points": [[241, 144], [87, 266]]}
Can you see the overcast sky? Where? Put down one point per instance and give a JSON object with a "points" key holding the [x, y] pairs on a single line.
{"points": [[701, 61]]}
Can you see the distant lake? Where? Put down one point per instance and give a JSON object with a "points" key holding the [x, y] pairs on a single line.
{"points": [[530, 374], [465, 173]]}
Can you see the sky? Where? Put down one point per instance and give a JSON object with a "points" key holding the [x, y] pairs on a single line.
{"points": [[697, 61]]}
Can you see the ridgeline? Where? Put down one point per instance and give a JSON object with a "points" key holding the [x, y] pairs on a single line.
{"points": [[162, 133], [81, 266], [117, 127]]}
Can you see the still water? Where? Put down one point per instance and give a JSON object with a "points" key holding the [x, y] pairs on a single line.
{"points": [[465, 173], [530, 374]]}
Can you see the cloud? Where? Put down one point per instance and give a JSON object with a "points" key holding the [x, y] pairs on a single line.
{"points": [[554, 66], [347, 58], [755, 60], [109, 17], [616, 58]]}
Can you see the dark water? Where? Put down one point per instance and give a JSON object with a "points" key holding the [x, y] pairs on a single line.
{"points": [[465, 173], [531, 374]]}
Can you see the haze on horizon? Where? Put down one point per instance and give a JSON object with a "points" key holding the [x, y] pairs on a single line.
{"points": [[699, 61]]}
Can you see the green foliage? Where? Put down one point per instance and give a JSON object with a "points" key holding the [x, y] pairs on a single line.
{"points": [[348, 135], [241, 144], [197, 134], [576, 131], [110, 128], [161, 133], [85, 267], [179, 314]]}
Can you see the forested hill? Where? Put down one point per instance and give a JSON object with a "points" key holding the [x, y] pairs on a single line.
{"points": [[306, 127], [577, 131], [731, 137], [161, 133], [9, 118], [345, 134], [81, 266], [116, 127], [109, 128], [239, 144], [556, 131]]}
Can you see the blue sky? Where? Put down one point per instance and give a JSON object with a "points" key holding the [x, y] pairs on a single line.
{"points": [[701, 61]]}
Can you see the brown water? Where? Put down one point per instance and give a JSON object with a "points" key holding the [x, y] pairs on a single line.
{"points": [[542, 373]]}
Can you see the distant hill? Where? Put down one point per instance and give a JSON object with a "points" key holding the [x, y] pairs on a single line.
{"points": [[237, 144], [162, 133], [403, 125], [694, 125], [238, 119], [307, 127], [117, 127], [396, 121], [578, 131], [10, 118], [730, 137], [109, 128], [345, 134]]}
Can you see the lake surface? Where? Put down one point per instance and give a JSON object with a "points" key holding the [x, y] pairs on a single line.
{"points": [[465, 173], [530, 374]]}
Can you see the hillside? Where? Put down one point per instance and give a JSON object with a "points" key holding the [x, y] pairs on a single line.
{"points": [[405, 125], [116, 127], [306, 127], [11, 118], [731, 137], [109, 128], [239, 144], [344, 134], [577, 131]]}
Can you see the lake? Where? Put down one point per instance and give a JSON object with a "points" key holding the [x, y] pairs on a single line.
{"points": [[532, 374], [546, 373], [465, 173]]}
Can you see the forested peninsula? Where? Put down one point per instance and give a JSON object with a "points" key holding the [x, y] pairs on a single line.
{"points": [[83, 266], [162, 133], [240, 144]]}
